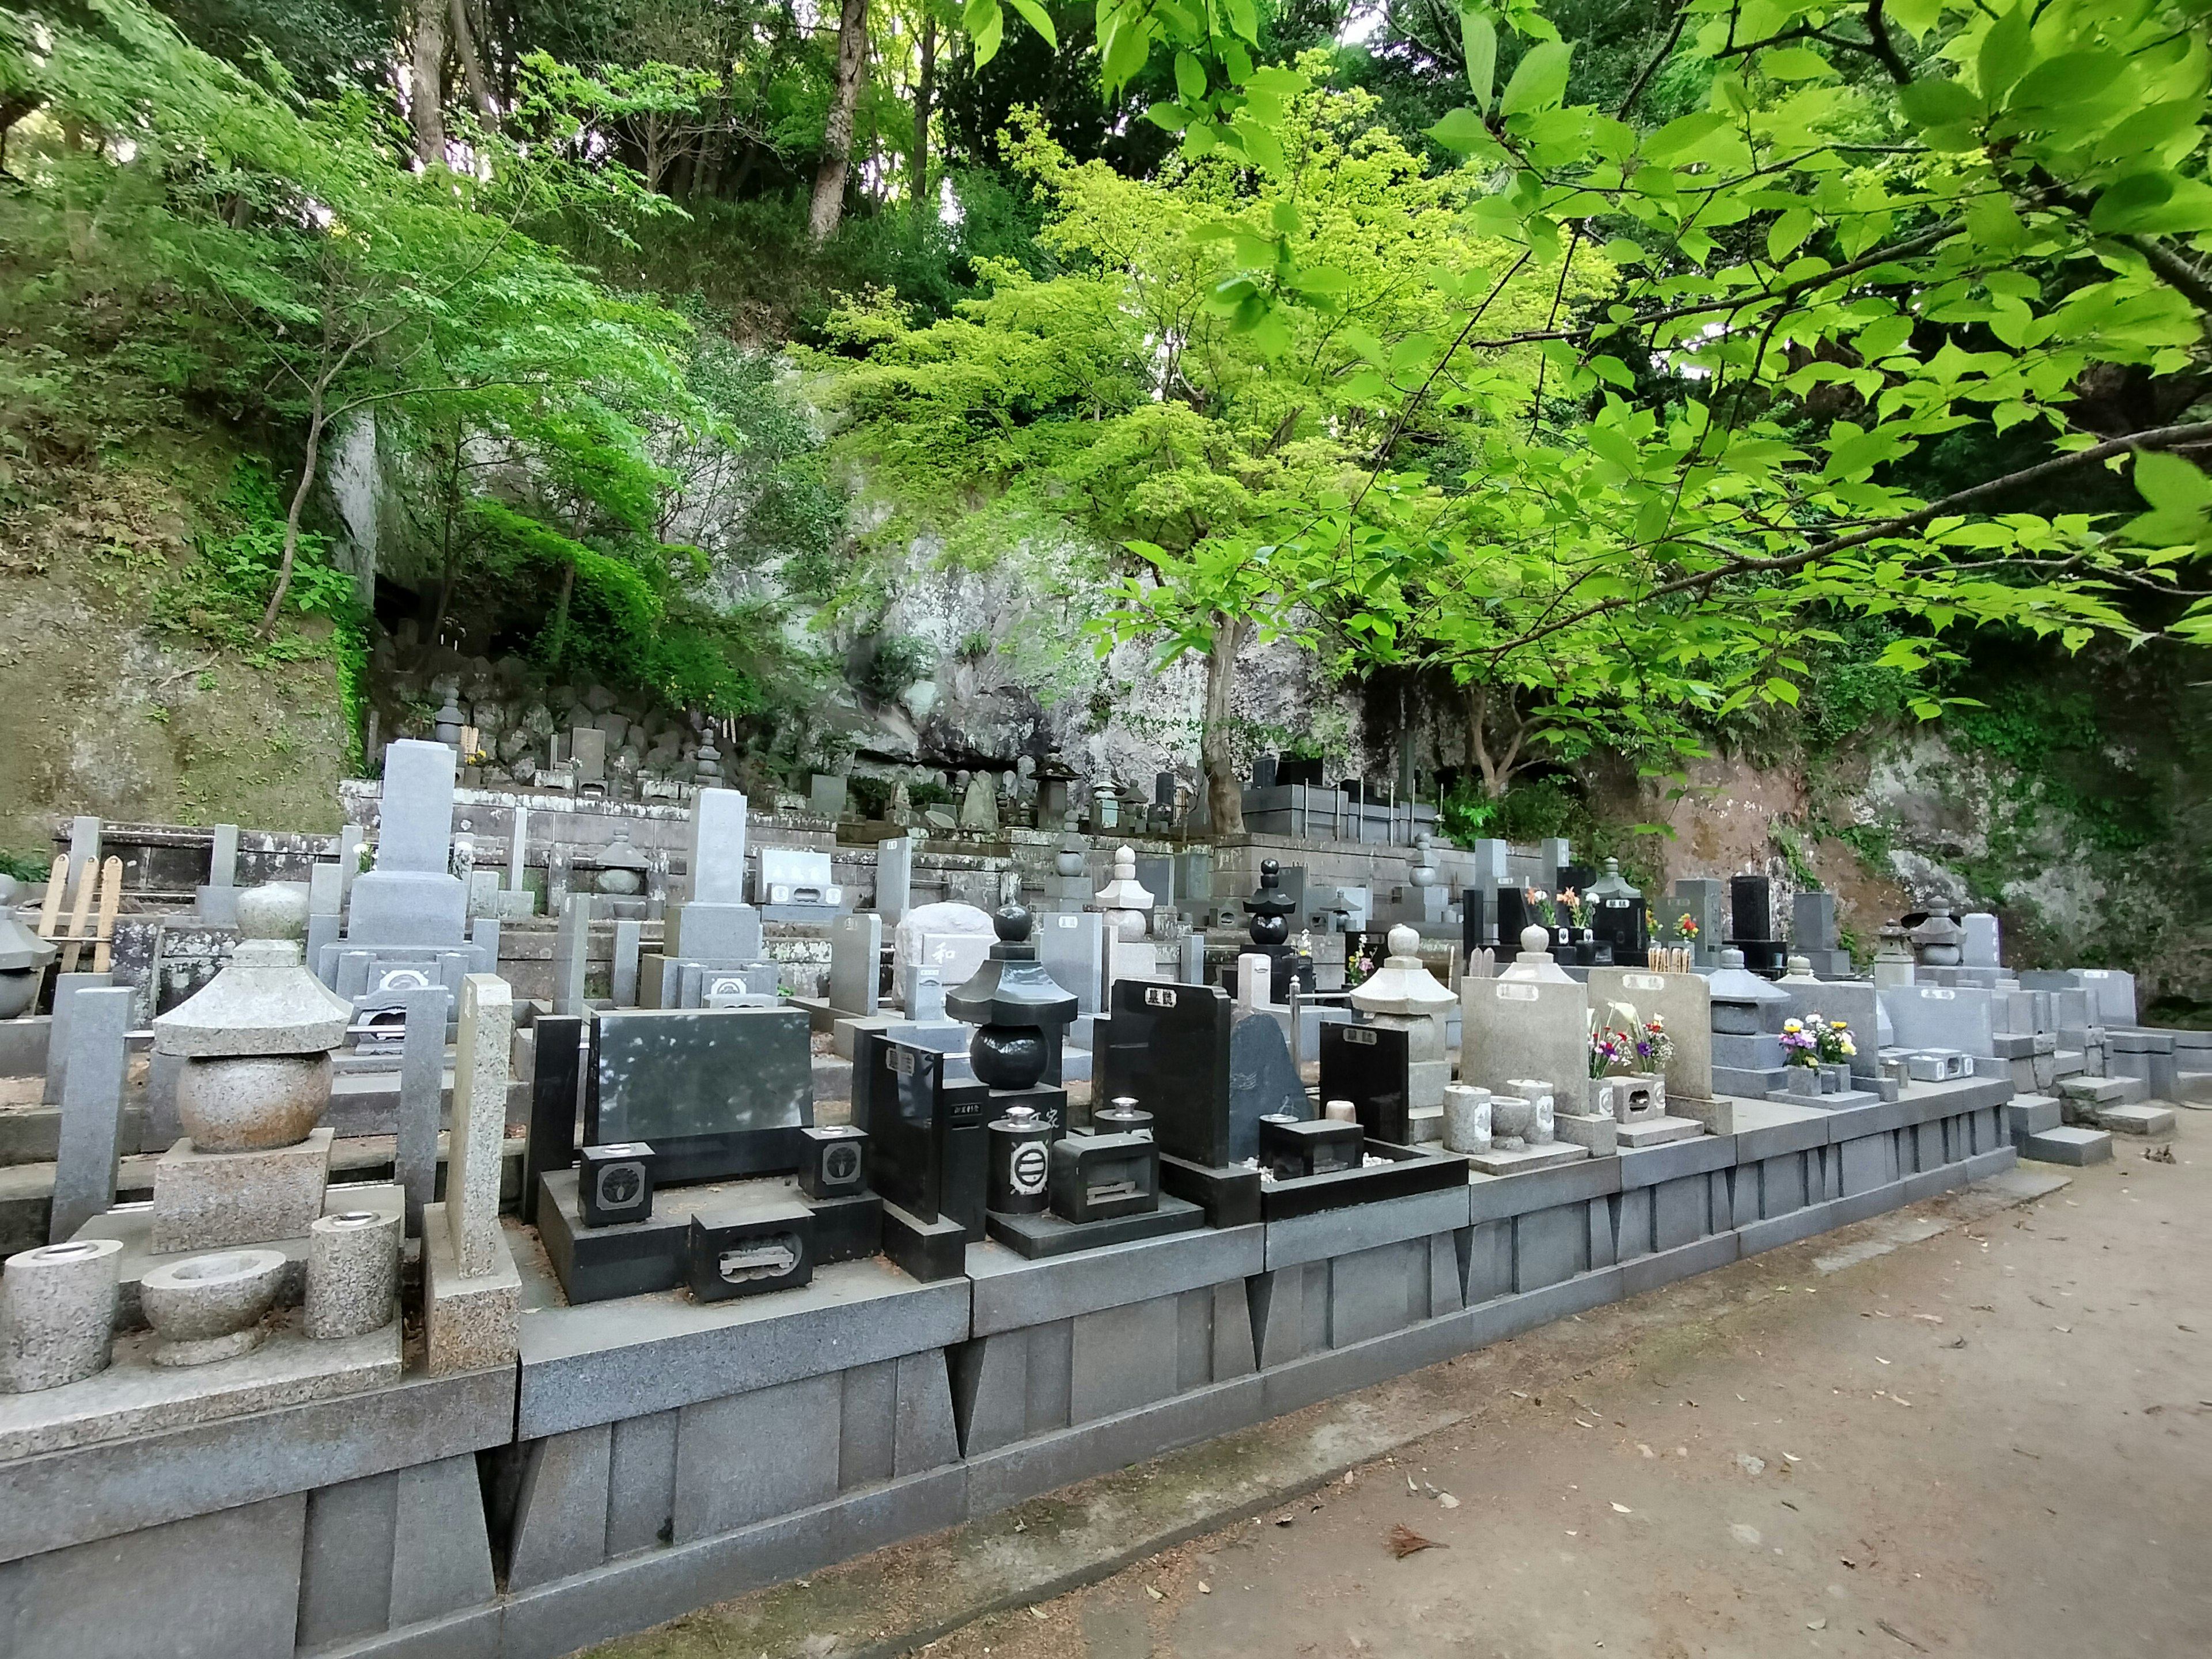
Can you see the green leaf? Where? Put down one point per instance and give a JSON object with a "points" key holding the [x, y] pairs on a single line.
{"points": [[1479, 37], [2170, 483], [1461, 130], [1787, 232], [986, 34], [1781, 691], [1244, 18], [1038, 19], [1794, 63], [1678, 139], [1931, 103], [1171, 118], [2073, 77], [1125, 54], [1284, 215], [1540, 81], [2007, 50], [1190, 78]]}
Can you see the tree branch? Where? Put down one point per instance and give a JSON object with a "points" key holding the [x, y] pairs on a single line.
{"points": [[2158, 438]]}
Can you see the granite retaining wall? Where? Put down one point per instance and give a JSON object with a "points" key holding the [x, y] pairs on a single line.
{"points": [[648, 1456]]}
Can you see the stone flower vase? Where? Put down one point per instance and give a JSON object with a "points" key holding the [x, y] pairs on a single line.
{"points": [[1804, 1080], [1836, 1077]]}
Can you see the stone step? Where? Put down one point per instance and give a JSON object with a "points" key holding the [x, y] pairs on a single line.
{"points": [[2194, 1086], [2153, 1122], [2068, 1145], [2068, 1062], [2099, 1090], [2029, 1115]]}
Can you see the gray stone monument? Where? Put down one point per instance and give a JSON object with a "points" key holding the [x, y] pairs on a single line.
{"points": [[66, 988], [856, 953], [218, 902], [421, 1100], [1070, 951], [571, 944], [472, 1294], [894, 878], [629, 944], [92, 1107]]}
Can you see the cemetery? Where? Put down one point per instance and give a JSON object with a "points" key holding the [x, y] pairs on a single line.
{"points": [[442, 1293], [778, 781]]}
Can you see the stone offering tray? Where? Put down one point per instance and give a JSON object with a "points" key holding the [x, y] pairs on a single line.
{"points": [[135, 1396], [1407, 1170]]}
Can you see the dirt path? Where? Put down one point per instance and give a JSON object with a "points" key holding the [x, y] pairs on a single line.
{"points": [[1997, 1441]]}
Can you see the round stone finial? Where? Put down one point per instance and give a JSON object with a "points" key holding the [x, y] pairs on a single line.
{"points": [[1271, 873], [1125, 863], [1404, 941], [7, 891], [1731, 958], [1012, 923], [277, 909], [1535, 940]]}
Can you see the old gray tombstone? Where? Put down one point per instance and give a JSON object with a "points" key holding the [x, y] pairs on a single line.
{"points": [[826, 796], [856, 952], [571, 941], [518, 848], [716, 861], [588, 747], [630, 944], [67, 987], [92, 1107], [84, 848], [218, 902], [1981, 948], [1069, 950], [422, 1092], [894, 878]]}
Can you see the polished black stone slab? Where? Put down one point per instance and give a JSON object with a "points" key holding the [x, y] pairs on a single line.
{"points": [[1368, 1066], [1046, 1234]]}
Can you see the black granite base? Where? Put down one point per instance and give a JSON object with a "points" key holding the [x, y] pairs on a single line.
{"points": [[597, 1264], [925, 1250], [1230, 1197], [1035, 1235]]}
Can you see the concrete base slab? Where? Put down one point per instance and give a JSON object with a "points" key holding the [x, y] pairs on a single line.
{"points": [[2069, 1144], [1658, 1131], [1528, 1158], [2151, 1122], [135, 1396], [467, 1323], [1036, 1235]]}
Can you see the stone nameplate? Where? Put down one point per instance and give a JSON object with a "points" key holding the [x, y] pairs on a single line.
{"points": [[1643, 981], [1509, 992], [1939, 994], [2095, 973], [1364, 1039]]}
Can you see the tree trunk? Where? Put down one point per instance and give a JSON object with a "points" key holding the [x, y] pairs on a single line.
{"points": [[425, 82], [837, 136], [307, 465], [925, 99], [561, 614], [464, 48], [1225, 787]]}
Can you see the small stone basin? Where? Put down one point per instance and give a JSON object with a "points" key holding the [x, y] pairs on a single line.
{"points": [[209, 1307]]}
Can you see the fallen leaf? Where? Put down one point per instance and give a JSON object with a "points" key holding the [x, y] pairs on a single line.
{"points": [[1405, 1541], [1445, 1500], [1039, 1613], [1878, 1360], [1932, 1319], [1622, 1509], [1889, 1629], [1154, 1594], [1205, 1589], [1285, 1520], [1816, 1624]]}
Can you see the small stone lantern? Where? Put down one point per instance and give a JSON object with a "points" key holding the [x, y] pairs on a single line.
{"points": [[23, 956], [1017, 1007], [257, 1039]]}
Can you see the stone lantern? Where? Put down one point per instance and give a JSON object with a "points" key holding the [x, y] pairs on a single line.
{"points": [[23, 956], [257, 1041], [1018, 1010], [621, 868], [1620, 919]]}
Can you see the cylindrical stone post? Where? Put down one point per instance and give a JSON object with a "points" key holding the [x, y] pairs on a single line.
{"points": [[352, 1273], [57, 1313], [1467, 1118]]}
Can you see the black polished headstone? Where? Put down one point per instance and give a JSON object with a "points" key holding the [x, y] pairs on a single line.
{"points": [[1289, 770], [556, 1077], [1574, 877], [1263, 1079], [1751, 911], [1167, 1047], [1513, 915], [1478, 919], [718, 1091], [1367, 1065], [1294, 1151]]}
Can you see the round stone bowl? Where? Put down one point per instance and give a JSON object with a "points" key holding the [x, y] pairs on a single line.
{"points": [[1511, 1118], [249, 1102], [209, 1307]]}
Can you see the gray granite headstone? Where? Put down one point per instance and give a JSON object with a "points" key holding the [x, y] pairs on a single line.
{"points": [[925, 996], [518, 848], [571, 941], [826, 796], [1068, 948], [422, 1090], [415, 830], [84, 849], [1813, 921], [1942, 1017], [325, 892], [1981, 947], [92, 1107], [894, 878], [856, 949], [589, 749], [67, 987], [717, 848], [630, 944]]}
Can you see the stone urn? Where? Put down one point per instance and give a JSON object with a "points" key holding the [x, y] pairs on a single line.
{"points": [[257, 1039], [207, 1308], [1467, 1118], [23, 956]]}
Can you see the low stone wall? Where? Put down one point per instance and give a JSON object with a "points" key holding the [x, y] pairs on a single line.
{"points": [[651, 1456]]}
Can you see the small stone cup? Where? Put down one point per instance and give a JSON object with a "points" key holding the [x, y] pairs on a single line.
{"points": [[208, 1308]]}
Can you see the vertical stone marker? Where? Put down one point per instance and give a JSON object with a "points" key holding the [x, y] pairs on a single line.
{"points": [[66, 988], [717, 854], [422, 1093], [473, 1295], [218, 902], [479, 1121], [894, 878], [92, 1107], [571, 947]]}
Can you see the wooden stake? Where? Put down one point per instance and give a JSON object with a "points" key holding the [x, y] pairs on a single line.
{"points": [[111, 899]]}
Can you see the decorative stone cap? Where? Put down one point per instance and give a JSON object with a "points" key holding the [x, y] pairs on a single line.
{"points": [[1733, 982], [1011, 988], [1125, 892], [1800, 968], [1534, 961], [1403, 985], [19, 946], [1270, 900], [263, 1002], [1613, 884]]}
